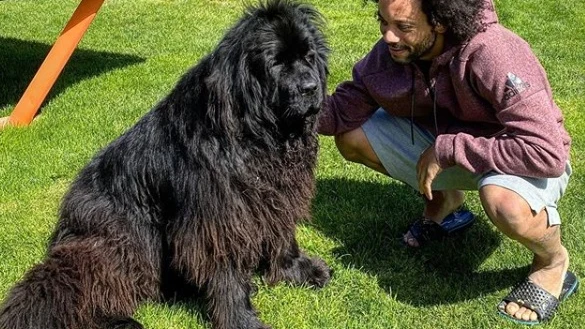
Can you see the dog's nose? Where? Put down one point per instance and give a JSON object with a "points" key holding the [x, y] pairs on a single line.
{"points": [[308, 87]]}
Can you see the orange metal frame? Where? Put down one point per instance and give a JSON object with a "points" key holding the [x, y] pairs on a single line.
{"points": [[53, 65]]}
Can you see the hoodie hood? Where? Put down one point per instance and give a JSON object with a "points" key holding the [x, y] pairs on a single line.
{"points": [[489, 17], [489, 14]]}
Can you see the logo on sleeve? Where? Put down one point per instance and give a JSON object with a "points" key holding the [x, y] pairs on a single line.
{"points": [[514, 86]]}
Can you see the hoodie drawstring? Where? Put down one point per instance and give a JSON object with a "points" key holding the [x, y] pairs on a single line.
{"points": [[434, 92], [413, 103]]}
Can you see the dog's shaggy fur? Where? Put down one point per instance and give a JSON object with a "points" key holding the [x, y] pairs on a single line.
{"points": [[204, 190]]}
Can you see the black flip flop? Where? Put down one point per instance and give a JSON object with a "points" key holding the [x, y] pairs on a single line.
{"points": [[424, 230], [529, 295]]}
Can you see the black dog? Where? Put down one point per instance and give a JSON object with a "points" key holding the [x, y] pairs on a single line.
{"points": [[204, 190]]}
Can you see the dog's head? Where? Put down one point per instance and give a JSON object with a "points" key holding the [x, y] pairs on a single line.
{"points": [[290, 56], [271, 67]]}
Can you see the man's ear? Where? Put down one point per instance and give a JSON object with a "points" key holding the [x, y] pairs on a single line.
{"points": [[440, 28]]}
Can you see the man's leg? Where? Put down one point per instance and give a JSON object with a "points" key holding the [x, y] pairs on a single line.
{"points": [[513, 216], [354, 146], [392, 146]]}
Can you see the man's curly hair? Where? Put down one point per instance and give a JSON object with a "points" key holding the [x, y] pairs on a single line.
{"points": [[462, 18]]}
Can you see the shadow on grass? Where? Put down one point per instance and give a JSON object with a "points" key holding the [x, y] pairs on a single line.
{"points": [[368, 220], [20, 60]]}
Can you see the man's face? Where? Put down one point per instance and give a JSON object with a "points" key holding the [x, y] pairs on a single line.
{"points": [[405, 29]]}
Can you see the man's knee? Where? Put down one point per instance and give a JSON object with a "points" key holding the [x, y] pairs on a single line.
{"points": [[506, 209], [351, 144], [355, 147]]}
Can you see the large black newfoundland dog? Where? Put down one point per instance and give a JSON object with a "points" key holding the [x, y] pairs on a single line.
{"points": [[201, 193]]}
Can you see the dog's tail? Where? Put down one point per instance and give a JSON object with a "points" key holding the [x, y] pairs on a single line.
{"points": [[84, 284]]}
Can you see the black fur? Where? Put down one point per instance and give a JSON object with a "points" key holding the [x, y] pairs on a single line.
{"points": [[205, 189]]}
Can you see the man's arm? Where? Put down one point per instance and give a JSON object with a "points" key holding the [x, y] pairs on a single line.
{"points": [[351, 104], [534, 141]]}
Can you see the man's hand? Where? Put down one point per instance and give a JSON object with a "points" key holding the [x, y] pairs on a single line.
{"points": [[427, 168]]}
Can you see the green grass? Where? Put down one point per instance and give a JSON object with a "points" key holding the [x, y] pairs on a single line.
{"points": [[133, 54]]}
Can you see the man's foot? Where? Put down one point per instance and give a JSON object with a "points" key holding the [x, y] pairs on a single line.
{"points": [[424, 230], [444, 203], [547, 275]]}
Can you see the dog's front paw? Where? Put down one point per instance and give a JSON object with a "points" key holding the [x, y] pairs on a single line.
{"points": [[319, 274]]}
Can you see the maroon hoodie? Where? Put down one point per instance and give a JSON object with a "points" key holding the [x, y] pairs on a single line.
{"points": [[490, 96]]}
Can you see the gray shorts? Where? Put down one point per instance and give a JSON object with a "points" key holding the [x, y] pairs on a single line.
{"points": [[390, 138]]}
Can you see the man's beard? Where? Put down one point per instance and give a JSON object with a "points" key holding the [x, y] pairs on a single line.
{"points": [[419, 50]]}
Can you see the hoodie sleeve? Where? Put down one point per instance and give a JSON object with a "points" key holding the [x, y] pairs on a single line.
{"points": [[350, 105], [505, 72]]}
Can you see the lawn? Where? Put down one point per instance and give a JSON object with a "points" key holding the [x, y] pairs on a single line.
{"points": [[131, 57]]}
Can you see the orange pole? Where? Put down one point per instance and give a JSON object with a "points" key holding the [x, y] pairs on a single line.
{"points": [[51, 68]]}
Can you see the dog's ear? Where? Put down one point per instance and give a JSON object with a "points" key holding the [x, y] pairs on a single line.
{"points": [[252, 81], [256, 92], [238, 94], [220, 114]]}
